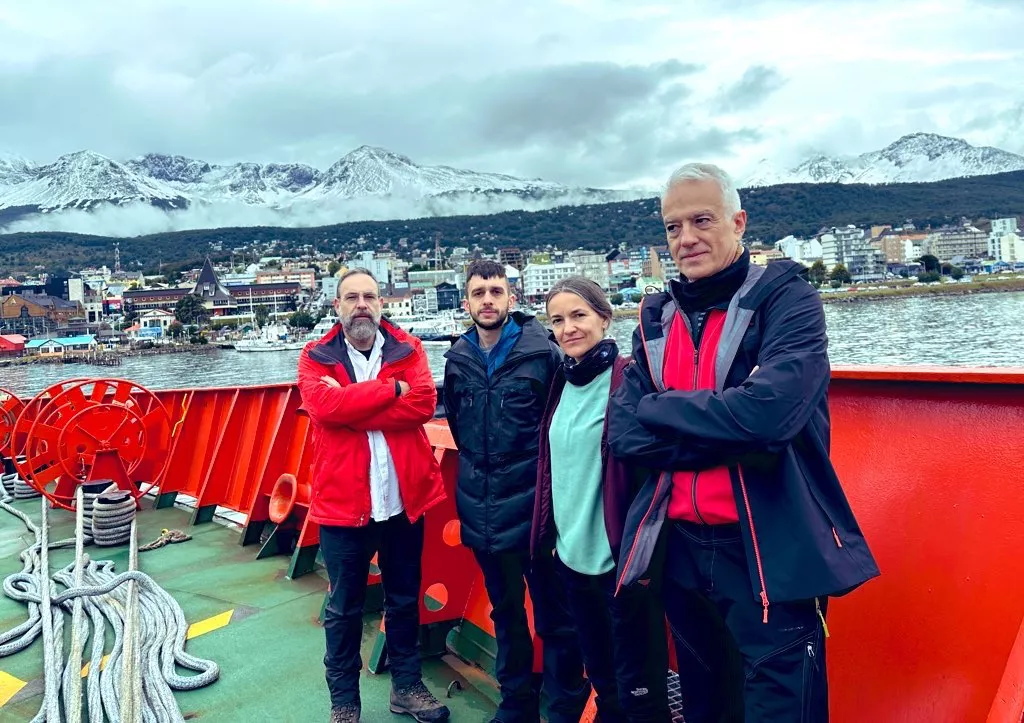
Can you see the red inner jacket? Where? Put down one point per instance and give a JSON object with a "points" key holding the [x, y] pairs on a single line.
{"points": [[703, 497]]}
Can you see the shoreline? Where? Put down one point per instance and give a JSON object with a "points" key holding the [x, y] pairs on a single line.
{"points": [[895, 292], [112, 357], [945, 289]]}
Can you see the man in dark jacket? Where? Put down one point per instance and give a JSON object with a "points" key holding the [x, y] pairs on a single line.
{"points": [[726, 404], [497, 377]]}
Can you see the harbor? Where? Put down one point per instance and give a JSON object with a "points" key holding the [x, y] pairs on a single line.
{"points": [[977, 330]]}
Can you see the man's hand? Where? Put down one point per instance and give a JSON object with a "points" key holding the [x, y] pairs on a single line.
{"points": [[330, 381], [404, 386]]}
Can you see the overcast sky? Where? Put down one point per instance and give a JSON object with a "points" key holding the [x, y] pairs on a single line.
{"points": [[606, 93]]}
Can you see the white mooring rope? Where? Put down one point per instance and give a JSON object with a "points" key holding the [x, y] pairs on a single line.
{"points": [[137, 682]]}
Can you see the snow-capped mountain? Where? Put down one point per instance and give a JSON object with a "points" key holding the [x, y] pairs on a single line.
{"points": [[250, 183], [918, 157], [14, 170], [367, 183], [369, 171], [83, 180]]}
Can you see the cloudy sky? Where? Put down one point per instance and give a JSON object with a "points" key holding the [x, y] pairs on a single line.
{"points": [[609, 93]]}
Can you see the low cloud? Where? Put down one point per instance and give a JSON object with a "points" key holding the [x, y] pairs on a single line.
{"points": [[751, 90], [140, 219]]}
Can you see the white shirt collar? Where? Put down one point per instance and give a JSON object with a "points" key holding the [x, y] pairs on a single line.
{"points": [[375, 351]]}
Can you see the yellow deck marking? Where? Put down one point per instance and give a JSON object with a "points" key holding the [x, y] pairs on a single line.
{"points": [[209, 625], [103, 664], [194, 631], [9, 686]]}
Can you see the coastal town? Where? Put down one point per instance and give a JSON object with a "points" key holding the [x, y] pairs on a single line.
{"points": [[279, 297]]}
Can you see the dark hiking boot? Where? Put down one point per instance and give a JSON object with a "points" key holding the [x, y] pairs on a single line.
{"points": [[418, 702], [345, 714]]}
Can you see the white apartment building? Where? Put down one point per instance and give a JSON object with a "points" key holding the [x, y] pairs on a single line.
{"points": [[305, 278], [804, 250], [376, 266], [1009, 248], [539, 278], [852, 248], [431, 278], [948, 243], [1000, 227], [1004, 225], [425, 303], [591, 265]]}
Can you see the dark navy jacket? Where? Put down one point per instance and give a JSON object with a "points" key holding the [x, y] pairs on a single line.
{"points": [[771, 427], [495, 421]]}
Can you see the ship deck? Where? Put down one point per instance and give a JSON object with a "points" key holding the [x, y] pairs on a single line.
{"points": [[270, 651]]}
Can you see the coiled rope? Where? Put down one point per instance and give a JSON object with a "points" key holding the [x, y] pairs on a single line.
{"points": [[112, 512], [16, 487], [148, 625]]}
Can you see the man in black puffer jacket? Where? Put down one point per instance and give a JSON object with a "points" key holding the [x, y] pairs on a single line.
{"points": [[496, 381]]}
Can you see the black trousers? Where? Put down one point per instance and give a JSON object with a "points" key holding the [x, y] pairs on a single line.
{"points": [[347, 552], [566, 689], [624, 646], [732, 665]]}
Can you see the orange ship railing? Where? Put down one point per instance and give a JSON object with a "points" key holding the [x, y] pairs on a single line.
{"points": [[931, 459]]}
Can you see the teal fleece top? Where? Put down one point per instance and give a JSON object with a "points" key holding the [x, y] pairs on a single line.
{"points": [[576, 496]]}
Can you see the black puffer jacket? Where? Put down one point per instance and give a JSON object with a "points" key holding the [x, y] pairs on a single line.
{"points": [[496, 425]]}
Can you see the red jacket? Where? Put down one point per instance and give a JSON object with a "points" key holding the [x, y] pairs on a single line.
{"points": [[341, 417]]}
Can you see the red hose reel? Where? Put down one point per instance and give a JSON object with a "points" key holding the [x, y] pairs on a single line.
{"points": [[86, 430], [10, 409]]}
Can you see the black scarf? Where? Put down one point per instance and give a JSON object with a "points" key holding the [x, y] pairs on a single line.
{"points": [[600, 357], [709, 292]]}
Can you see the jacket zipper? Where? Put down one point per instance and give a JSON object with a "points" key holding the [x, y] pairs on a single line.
{"points": [[693, 484], [693, 387], [835, 533], [824, 625], [757, 548]]}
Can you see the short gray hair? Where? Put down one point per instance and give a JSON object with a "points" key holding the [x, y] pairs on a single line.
{"points": [[587, 290], [355, 271], [706, 172]]}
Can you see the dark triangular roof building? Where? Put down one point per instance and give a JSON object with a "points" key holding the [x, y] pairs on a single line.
{"points": [[210, 290]]}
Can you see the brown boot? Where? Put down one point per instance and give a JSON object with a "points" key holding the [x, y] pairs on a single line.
{"points": [[418, 702]]}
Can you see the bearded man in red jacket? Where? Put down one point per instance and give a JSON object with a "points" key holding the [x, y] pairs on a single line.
{"points": [[368, 390]]}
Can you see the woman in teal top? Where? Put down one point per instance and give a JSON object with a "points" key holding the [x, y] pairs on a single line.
{"points": [[583, 495]]}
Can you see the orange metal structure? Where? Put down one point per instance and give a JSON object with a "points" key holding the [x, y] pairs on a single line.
{"points": [[11, 407], [931, 460]]}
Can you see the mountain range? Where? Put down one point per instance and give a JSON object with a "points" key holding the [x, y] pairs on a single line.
{"points": [[86, 180], [914, 158], [86, 191]]}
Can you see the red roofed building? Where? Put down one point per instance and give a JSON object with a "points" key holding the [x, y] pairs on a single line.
{"points": [[12, 344]]}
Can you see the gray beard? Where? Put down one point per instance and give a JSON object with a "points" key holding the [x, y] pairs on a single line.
{"points": [[360, 330]]}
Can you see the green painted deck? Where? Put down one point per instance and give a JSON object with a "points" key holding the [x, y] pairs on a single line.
{"points": [[270, 654]]}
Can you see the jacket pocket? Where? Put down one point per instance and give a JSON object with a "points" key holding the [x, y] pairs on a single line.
{"points": [[517, 417], [343, 483], [812, 688], [812, 488]]}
